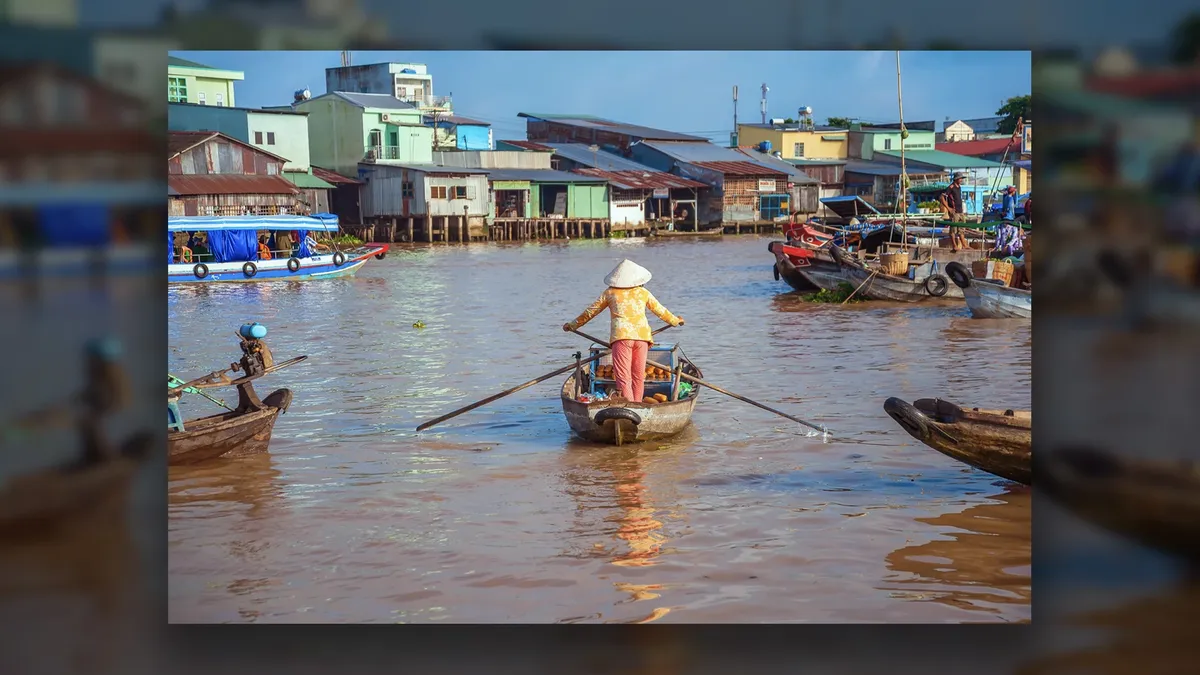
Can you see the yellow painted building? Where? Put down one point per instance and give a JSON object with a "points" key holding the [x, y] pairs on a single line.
{"points": [[792, 141], [191, 82]]}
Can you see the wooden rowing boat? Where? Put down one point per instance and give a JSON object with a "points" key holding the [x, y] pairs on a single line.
{"points": [[618, 422], [989, 298], [244, 430], [996, 441], [876, 285], [714, 232], [1153, 502]]}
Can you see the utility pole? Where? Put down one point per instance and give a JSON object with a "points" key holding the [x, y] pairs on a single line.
{"points": [[345, 58], [765, 89]]}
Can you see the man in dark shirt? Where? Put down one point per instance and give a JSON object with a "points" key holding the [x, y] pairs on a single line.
{"points": [[952, 206]]}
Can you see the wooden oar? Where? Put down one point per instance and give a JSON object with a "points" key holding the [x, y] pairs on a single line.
{"points": [[756, 404], [519, 387], [722, 391]]}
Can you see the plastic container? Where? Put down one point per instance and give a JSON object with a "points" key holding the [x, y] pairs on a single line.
{"points": [[253, 330]]}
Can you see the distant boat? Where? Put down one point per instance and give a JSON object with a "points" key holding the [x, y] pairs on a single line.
{"points": [[233, 245], [990, 298]]}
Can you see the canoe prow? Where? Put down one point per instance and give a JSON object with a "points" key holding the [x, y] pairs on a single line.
{"points": [[995, 441]]}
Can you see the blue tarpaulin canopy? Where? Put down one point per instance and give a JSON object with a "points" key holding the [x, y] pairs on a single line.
{"points": [[74, 224], [320, 222]]}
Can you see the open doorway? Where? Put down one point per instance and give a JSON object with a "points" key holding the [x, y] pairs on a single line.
{"points": [[511, 203], [554, 200]]}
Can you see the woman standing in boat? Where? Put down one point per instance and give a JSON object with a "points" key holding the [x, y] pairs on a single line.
{"points": [[629, 334]]}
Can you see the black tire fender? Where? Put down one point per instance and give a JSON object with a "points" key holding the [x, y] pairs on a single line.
{"points": [[293, 264], [618, 414], [908, 417], [200, 270], [775, 269], [249, 269], [339, 259], [959, 274], [381, 255], [936, 285]]}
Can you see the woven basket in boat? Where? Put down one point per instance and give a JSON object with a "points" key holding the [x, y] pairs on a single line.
{"points": [[895, 264], [1000, 270]]}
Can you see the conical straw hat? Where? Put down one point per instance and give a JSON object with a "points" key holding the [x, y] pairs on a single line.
{"points": [[627, 275]]}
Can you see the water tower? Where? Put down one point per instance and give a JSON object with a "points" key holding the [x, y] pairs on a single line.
{"points": [[806, 120]]}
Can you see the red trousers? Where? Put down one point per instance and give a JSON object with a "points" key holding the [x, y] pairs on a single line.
{"points": [[629, 367]]}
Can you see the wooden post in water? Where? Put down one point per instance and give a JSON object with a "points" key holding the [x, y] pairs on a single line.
{"points": [[409, 229]]}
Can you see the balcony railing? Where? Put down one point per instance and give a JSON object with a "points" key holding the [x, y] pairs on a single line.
{"points": [[427, 101], [374, 153]]}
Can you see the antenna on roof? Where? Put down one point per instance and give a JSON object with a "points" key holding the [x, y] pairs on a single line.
{"points": [[733, 138], [345, 58], [765, 89]]}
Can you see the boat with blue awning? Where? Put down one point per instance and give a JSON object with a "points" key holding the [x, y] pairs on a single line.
{"points": [[233, 249]]}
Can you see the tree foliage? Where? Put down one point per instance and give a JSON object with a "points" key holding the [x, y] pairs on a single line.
{"points": [[839, 122], [1012, 110], [1185, 40]]}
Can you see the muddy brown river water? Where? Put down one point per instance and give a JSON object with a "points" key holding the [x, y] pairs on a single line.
{"points": [[499, 516]]}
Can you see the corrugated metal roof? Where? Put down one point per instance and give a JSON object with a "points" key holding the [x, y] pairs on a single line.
{"points": [[873, 168], [306, 181], [642, 180], [976, 148], [795, 126], [332, 177], [528, 145], [455, 119], [429, 168], [541, 176], [600, 124], [230, 184], [190, 139], [816, 162], [945, 160], [770, 161], [580, 153], [383, 101], [742, 168]]}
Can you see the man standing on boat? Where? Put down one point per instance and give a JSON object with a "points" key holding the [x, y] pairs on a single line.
{"points": [[629, 334], [952, 206], [1008, 206]]}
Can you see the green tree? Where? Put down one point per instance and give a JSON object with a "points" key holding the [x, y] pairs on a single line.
{"points": [[839, 122], [1013, 109], [1185, 40], [789, 121]]}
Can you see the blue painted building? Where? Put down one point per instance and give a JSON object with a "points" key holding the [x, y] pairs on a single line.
{"points": [[462, 133]]}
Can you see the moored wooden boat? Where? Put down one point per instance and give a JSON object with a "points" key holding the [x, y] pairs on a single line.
{"points": [[791, 261], [244, 430], [714, 232], [996, 441], [879, 286], [988, 298], [1153, 502], [618, 422]]}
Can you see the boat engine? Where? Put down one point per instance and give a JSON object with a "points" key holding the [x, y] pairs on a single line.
{"points": [[256, 356]]}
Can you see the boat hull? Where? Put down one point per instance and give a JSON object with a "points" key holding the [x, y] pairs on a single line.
{"points": [[987, 300], [880, 286], [793, 274], [314, 267], [621, 423], [687, 233], [227, 435], [998, 442]]}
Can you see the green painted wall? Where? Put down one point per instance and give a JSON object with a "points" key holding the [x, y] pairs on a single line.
{"points": [[335, 132], [411, 140], [587, 201], [197, 82]]}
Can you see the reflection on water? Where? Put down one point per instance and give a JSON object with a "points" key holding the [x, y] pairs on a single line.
{"points": [[498, 516], [983, 565]]}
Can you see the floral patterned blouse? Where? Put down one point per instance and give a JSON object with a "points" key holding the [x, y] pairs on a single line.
{"points": [[628, 309]]}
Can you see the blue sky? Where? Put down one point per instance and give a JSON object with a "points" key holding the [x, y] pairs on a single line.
{"points": [[689, 92]]}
